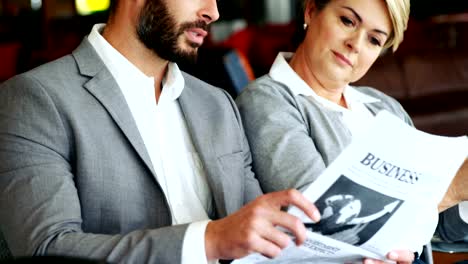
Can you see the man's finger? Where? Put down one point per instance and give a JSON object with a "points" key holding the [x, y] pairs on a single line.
{"points": [[291, 223], [266, 248], [276, 237], [296, 198]]}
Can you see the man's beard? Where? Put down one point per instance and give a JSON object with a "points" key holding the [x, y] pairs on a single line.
{"points": [[159, 32]]}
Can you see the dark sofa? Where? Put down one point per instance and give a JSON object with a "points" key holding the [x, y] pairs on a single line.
{"points": [[432, 85], [428, 74]]}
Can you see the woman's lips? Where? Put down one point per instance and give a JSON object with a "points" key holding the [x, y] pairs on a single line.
{"points": [[342, 58]]}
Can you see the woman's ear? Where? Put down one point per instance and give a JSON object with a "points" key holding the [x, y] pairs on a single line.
{"points": [[309, 11]]}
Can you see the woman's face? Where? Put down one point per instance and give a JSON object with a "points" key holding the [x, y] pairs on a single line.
{"points": [[344, 39]]}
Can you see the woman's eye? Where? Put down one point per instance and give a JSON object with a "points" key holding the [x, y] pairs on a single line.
{"points": [[346, 21], [375, 41]]}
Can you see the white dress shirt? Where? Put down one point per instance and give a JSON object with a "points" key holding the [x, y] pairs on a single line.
{"points": [[162, 127]]}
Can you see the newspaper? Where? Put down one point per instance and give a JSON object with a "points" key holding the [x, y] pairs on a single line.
{"points": [[376, 195]]}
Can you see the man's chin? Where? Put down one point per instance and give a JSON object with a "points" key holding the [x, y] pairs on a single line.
{"points": [[188, 53], [188, 46], [186, 57]]}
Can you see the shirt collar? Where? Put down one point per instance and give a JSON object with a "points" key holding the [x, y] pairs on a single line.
{"points": [[124, 71], [282, 72], [173, 82]]}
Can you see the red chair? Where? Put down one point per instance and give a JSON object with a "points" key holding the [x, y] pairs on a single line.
{"points": [[9, 52]]}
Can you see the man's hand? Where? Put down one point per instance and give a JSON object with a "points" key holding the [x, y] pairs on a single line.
{"points": [[458, 189], [253, 227], [400, 256]]}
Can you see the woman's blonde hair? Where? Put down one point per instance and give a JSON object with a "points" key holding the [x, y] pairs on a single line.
{"points": [[399, 14], [399, 11]]}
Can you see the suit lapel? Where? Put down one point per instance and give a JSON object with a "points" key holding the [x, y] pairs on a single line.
{"points": [[105, 89], [199, 118]]}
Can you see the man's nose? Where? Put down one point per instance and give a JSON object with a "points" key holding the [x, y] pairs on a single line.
{"points": [[209, 11]]}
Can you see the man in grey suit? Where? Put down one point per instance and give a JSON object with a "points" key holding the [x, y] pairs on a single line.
{"points": [[113, 153]]}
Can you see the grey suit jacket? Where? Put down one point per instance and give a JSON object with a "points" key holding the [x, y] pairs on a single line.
{"points": [[76, 179]]}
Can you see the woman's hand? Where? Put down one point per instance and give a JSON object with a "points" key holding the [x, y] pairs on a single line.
{"points": [[401, 256], [458, 189]]}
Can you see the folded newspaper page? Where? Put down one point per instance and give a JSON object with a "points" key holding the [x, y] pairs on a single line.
{"points": [[376, 196]]}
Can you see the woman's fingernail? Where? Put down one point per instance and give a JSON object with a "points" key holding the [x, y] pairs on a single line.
{"points": [[393, 256]]}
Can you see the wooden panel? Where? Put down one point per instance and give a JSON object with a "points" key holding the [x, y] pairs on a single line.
{"points": [[448, 258]]}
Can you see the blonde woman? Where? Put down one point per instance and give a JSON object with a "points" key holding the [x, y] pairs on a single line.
{"points": [[300, 116]]}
